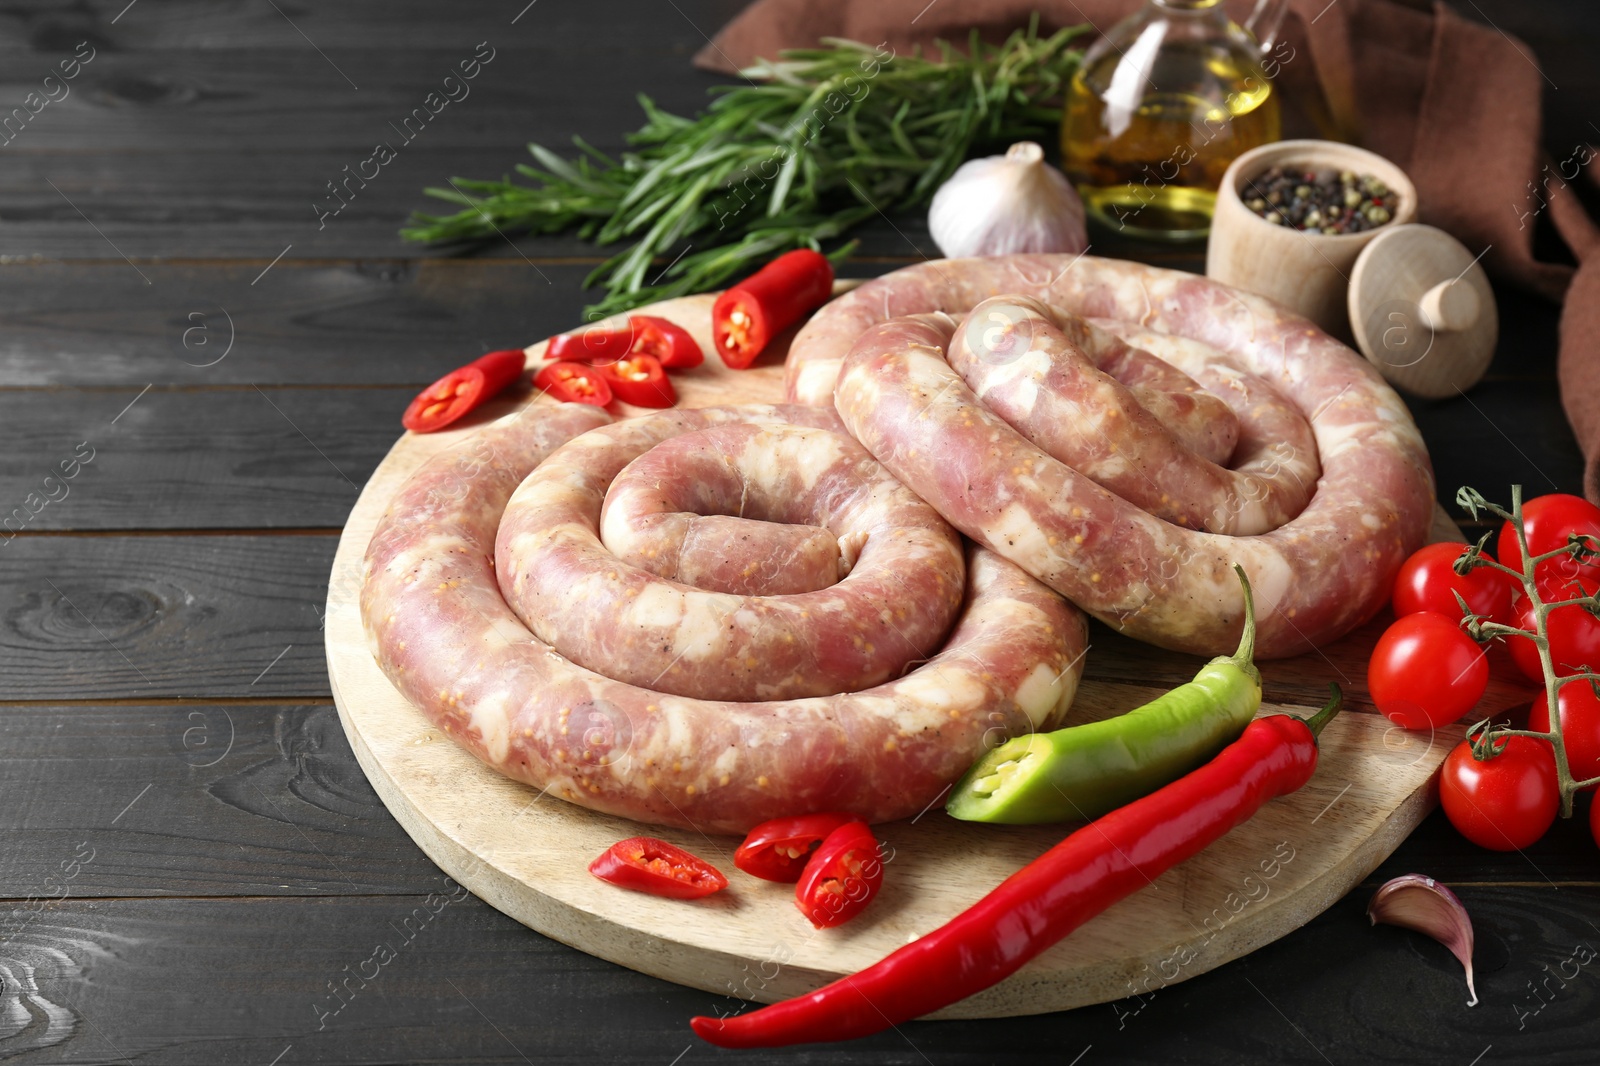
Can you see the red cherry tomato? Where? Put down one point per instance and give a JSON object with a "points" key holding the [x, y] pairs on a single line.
{"points": [[778, 850], [1428, 582], [1580, 726], [667, 341], [461, 390], [1503, 803], [1547, 520], [1574, 634], [639, 380], [1426, 672], [574, 383], [646, 864], [841, 878]]}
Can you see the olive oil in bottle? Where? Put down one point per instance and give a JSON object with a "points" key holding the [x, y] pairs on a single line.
{"points": [[1158, 109]]}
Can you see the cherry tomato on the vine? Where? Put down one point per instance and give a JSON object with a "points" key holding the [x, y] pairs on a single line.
{"points": [[1426, 672], [1428, 582], [1505, 802], [1574, 634], [1580, 726], [1547, 521]]}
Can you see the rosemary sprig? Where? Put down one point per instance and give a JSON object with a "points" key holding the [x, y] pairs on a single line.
{"points": [[824, 139]]}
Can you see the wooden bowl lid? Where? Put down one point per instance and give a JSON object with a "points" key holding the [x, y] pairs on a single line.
{"points": [[1422, 311]]}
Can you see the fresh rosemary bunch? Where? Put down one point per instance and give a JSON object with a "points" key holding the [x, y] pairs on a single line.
{"points": [[822, 139]]}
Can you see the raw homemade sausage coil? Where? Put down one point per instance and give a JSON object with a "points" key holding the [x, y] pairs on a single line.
{"points": [[1032, 429], [584, 663]]}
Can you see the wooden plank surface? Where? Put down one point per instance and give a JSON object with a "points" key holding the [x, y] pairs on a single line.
{"points": [[153, 617], [197, 800], [367, 322], [270, 458], [222, 798], [208, 164], [84, 341], [208, 981], [403, 322]]}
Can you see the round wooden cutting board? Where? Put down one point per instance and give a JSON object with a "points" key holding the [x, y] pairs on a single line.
{"points": [[527, 854]]}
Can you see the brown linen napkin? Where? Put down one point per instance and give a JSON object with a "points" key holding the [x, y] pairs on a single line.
{"points": [[1580, 322], [1453, 102]]}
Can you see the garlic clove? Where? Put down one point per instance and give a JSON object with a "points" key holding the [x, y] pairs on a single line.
{"points": [[1006, 204], [1413, 901]]}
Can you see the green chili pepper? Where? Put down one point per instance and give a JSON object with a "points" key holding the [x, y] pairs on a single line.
{"points": [[1085, 771]]}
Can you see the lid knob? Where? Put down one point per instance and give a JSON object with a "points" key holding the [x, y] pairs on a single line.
{"points": [[1449, 307], [1422, 311]]}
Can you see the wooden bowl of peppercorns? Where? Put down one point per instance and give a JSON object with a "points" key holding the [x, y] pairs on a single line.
{"points": [[1292, 217]]}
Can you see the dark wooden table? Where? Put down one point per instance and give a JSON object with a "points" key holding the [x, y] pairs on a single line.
{"points": [[190, 859]]}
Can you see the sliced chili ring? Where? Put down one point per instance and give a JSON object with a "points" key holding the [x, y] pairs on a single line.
{"points": [[667, 341], [639, 380], [574, 383], [462, 389], [645, 864], [746, 317], [591, 345], [778, 850], [842, 877]]}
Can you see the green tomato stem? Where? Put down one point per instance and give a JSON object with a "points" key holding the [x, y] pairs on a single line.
{"points": [[1541, 639]]}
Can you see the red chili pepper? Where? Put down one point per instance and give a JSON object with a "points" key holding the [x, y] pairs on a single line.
{"points": [[644, 334], [646, 864], [746, 317], [1103, 862], [667, 341], [574, 383], [461, 390], [778, 850], [841, 878], [639, 380], [591, 345]]}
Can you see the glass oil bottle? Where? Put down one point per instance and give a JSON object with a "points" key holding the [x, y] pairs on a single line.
{"points": [[1158, 109]]}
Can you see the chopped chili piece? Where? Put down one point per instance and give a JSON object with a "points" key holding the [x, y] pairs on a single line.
{"points": [[591, 345], [746, 317], [778, 850], [574, 383], [646, 864], [1096, 866], [461, 390], [667, 341], [841, 878], [639, 380], [643, 335]]}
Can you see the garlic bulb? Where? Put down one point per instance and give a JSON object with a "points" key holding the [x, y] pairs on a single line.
{"points": [[1007, 203]]}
